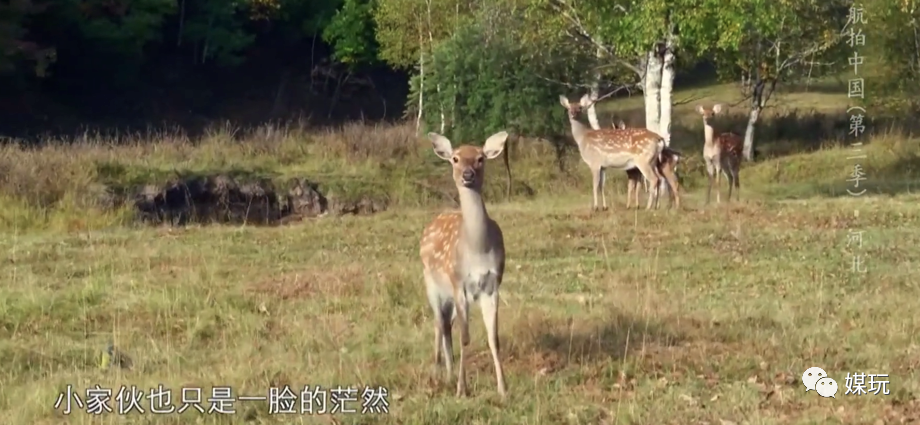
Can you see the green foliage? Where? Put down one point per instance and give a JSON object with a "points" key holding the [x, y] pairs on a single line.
{"points": [[13, 46], [487, 81], [774, 40], [405, 27], [892, 32], [218, 29], [351, 33], [120, 29]]}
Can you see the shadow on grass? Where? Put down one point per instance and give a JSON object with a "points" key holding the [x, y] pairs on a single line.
{"points": [[614, 339]]}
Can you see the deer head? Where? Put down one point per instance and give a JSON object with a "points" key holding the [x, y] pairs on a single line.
{"points": [[575, 108], [468, 161], [708, 113]]}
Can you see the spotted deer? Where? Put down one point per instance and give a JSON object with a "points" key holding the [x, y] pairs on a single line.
{"points": [[722, 154], [614, 148], [463, 257], [667, 167]]}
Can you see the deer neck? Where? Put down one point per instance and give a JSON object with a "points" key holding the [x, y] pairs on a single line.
{"points": [[708, 133], [578, 131], [474, 231]]}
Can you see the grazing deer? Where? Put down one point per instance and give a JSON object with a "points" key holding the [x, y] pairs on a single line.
{"points": [[614, 148], [722, 154], [667, 167], [463, 256]]}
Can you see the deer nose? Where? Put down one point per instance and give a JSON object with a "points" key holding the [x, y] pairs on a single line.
{"points": [[468, 174]]}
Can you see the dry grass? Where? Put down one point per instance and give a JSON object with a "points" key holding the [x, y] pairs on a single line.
{"points": [[706, 315]]}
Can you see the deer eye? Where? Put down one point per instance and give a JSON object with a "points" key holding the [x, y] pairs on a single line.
{"points": [[480, 159], [456, 160]]}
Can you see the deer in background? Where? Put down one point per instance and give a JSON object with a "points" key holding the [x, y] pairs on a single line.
{"points": [[667, 167], [615, 148], [463, 257], [722, 154]]}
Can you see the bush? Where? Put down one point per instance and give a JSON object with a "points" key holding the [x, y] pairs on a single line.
{"points": [[485, 79]]}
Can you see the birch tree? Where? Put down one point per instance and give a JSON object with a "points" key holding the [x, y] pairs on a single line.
{"points": [[409, 30], [644, 39], [772, 41]]}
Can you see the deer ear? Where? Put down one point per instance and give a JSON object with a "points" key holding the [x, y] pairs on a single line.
{"points": [[621, 125], [586, 101], [699, 108], [717, 108], [441, 145], [564, 101], [495, 144]]}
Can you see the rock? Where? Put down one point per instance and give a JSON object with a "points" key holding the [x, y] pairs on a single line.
{"points": [[304, 199], [222, 199], [208, 199], [362, 206]]}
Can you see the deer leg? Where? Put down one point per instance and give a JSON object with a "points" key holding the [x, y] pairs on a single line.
{"points": [[596, 181], [461, 306], [603, 173], [443, 311], [649, 173], [671, 179], [737, 185], [735, 169], [639, 178], [658, 188], [731, 183], [488, 303], [718, 185], [630, 186], [710, 170]]}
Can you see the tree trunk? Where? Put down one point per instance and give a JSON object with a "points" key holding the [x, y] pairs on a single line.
{"points": [[431, 49], [507, 158], [592, 111], [595, 93], [757, 102], [667, 89], [666, 102], [749, 133], [421, 89], [652, 92]]}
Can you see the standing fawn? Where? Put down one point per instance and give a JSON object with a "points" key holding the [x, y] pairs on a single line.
{"points": [[615, 148], [463, 257], [722, 154], [667, 167]]}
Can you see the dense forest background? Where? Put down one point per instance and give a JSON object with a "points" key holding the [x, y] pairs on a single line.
{"points": [[74, 64], [68, 65]]}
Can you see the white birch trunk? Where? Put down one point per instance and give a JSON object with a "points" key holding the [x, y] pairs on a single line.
{"points": [[595, 93], [665, 104], [758, 101], [652, 92], [667, 89], [421, 88], [753, 117], [431, 49]]}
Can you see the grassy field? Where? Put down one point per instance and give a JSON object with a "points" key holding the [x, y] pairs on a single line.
{"points": [[707, 315]]}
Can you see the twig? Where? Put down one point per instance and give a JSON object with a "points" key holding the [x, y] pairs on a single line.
{"points": [[562, 83], [687, 100], [612, 92], [746, 98], [583, 33]]}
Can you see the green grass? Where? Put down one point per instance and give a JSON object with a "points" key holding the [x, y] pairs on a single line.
{"points": [[702, 315], [621, 317]]}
